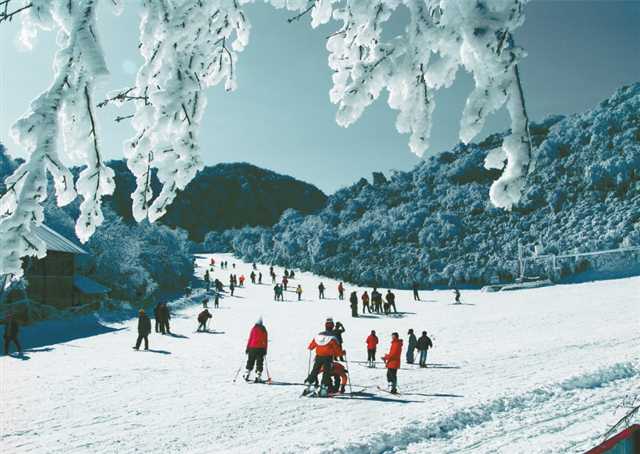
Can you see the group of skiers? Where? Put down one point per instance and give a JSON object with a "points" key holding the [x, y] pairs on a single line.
{"points": [[422, 344]]}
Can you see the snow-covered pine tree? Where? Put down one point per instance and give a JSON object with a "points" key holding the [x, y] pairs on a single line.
{"points": [[189, 45]]}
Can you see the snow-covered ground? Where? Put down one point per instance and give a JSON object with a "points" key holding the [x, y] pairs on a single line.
{"points": [[540, 370]]}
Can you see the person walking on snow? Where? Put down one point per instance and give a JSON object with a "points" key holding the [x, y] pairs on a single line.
{"points": [[203, 318], [165, 316], [321, 291], [216, 301], [207, 279], [144, 329], [232, 287], [242, 278], [340, 291], [392, 361], [285, 282], [11, 330], [256, 349], [391, 300], [326, 347], [372, 345], [456, 292], [423, 345], [416, 297], [156, 316], [299, 292], [353, 299], [260, 277], [413, 344], [253, 277], [365, 302]]}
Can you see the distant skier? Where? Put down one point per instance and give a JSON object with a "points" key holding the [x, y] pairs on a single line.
{"points": [[273, 277], [276, 292], [285, 282], [205, 302], [216, 301], [11, 331], [256, 349], [299, 292], [242, 278], [165, 316], [340, 291], [292, 275], [353, 299], [207, 279], [260, 277], [157, 317], [365, 302], [286, 273], [253, 277], [326, 347], [391, 301], [423, 346], [321, 291], [232, 287], [376, 298], [372, 345], [255, 267], [413, 344], [416, 296], [392, 361], [456, 292], [218, 285], [203, 318], [144, 329]]}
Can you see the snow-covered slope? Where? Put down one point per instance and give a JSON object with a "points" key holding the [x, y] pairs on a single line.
{"points": [[541, 370]]}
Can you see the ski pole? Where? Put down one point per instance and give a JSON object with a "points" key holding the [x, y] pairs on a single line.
{"points": [[346, 360], [238, 372], [309, 364]]}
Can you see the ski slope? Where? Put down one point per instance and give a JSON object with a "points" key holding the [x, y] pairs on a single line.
{"points": [[539, 371]]}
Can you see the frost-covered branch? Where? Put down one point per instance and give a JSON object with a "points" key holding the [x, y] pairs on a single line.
{"points": [[6, 15]]}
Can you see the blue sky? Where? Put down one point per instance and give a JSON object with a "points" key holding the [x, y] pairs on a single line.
{"points": [[280, 117]]}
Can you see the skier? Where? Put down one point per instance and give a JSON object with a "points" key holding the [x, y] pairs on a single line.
{"points": [[232, 287], [255, 267], [339, 378], [156, 316], [216, 301], [286, 273], [203, 318], [340, 291], [372, 344], [256, 349], [212, 262], [144, 329], [321, 291], [391, 300], [413, 344], [253, 277], [392, 361], [205, 303], [207, 279], [416, 297], [292, 275], [218, 285], [285, 281], [365, 302], [260, 277], [242, 280], [276, 291], [353, 299], [386, 304], [457, 293], [423, 345], [299, 292], [11, 331], [376, 298], [326, 347], [165, 316], [273, 277]]}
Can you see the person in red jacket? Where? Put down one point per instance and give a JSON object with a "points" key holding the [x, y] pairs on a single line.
{"points": [[339, 378], [327, 347], [256, 349], [392, 360], [372, 344]]}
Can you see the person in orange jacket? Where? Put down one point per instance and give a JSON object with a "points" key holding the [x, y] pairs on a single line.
{"points": [[327, 347], [242, 280], [392, 360], [372, 344], [256, 349], [339, 378]]}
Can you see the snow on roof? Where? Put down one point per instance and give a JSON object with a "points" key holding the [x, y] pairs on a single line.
{"points": [[89, 286], [55, 241]]}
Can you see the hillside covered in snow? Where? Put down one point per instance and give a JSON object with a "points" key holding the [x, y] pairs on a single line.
{"points": [[435, 224]]}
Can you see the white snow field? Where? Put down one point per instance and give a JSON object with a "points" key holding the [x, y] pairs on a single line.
{"points": [[540, 370]]}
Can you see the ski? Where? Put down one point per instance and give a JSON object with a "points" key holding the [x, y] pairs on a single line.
{"points": [[387, 391]]}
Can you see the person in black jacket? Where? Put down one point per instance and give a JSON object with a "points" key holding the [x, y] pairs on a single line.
{"points": [[353, 299], [157, 316], [203, 318], [423, 345], [416, 296], [165, 316], [391, 301], [337, 332], [144, 329], [413, 344], [321, 291], [11, 330]]}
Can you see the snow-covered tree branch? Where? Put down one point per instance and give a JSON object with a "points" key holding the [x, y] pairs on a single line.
{"points": [[190, 45]]}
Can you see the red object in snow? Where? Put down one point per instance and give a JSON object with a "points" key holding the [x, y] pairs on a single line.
{"points": [[626, 442]]}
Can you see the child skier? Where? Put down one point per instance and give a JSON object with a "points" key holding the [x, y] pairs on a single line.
{"points": [[392, 361]]}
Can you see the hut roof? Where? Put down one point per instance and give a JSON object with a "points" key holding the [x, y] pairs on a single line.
{"points": [[55, 241], [89, 286]]}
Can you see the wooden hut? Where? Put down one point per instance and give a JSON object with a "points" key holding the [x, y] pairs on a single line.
{"points": [[52, 280]]}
